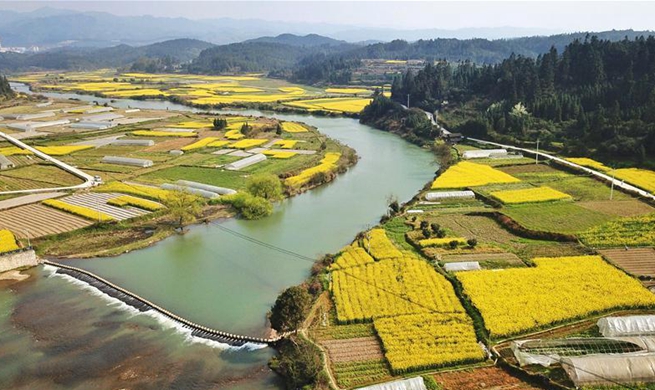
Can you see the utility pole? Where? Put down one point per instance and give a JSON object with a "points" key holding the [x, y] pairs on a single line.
{"points": [[536, 155], [612, 187]]}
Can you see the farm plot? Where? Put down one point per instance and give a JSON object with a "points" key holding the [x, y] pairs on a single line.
{"points": [[530, 195], [37, 220], [355, 349], [481, 379], [630, 231], [637, 261], [98, 202], [517, 300], [487, 260], [556, 217], [36, 176], [467, 174], [350, 105]]}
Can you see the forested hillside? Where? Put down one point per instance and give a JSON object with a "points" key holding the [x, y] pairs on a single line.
{"points": [[595, 92]]}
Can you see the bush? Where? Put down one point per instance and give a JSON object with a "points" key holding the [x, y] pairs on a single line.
{"points": [[299, 362], [265, 186], [472, 242], [453, 244], [249, 206]]}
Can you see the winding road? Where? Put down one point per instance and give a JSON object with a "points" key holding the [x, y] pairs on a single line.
{"points": [[88, 179]]}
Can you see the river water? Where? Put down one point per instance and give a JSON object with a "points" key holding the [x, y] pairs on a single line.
{"points": [[207, 276]]}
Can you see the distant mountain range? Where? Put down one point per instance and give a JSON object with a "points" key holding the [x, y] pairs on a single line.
{"points": [[50, 27], [176, 51]]}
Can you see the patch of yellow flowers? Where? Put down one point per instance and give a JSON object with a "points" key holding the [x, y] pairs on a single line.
{"points": [[414, 309], [248, 143], [631, 231], [328, 163], [84, 212], [154, 133], [468, 174], [589, 163], [135, 189], [352, 256], [7, 241], [293, 127], [641, 178], [379, 245], [559, 289], [530, 195], [127, 200], [441, 241], [425, 341], [63, 150]]}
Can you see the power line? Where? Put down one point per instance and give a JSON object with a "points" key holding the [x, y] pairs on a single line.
{"points": [[430, 310]]}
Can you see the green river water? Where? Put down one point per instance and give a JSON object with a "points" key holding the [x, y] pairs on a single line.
{"points": [[207, 276]]}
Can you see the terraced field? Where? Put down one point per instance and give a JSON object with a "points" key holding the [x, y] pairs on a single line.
{"points": [[39, 221]]}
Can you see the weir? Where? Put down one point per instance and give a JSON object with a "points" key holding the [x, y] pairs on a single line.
{"points": [[143, 305]]}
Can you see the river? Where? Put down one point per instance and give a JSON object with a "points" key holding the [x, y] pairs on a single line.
{"points": [[212, 277]]}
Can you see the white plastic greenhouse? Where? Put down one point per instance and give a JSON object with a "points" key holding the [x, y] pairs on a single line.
{"points": [[135, 162], [627, 326], [462, 266], [405, 384], [136, 142], [246, 162], [610, 369], [206, 187], [449, 195], [484, 153], [191, 190]]}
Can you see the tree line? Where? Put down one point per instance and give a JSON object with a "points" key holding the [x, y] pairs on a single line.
{"points": [[5, 88], [595, 92]]}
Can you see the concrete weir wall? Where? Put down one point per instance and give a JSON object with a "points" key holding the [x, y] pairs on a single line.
{"points": [[18, 260]]}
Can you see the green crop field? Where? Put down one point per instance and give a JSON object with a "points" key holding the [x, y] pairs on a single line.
{"points": [[211, 176], [556, 217]]}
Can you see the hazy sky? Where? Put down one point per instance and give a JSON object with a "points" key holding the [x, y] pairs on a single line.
{"points": [[552, 15]]}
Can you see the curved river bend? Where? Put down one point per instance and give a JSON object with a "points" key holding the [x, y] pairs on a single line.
{"points": [[216, 279]]}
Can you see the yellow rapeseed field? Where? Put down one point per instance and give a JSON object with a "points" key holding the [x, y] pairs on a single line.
{"points": [[7, 241], [13, 150], [135, 189], [219, 144], [234, 134], [530, 195], [328, 163], [155, 133], [277, 154], [379, 246], [81, 211], [587, 162], [441, 241], [395, 287], [630, 231], [559, 289], [248, 143], [641, 178], [293, 127], [128, 200], [468, 174], [201, 143], [138, 92], [63, 150], [425, 341], [285, 144], [351, 256], [192, 125], [350, 105]]}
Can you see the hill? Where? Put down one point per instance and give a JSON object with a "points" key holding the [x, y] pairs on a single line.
{"points": [[309, 40]]}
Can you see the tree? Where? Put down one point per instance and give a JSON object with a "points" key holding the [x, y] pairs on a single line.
{"points": [[278, 129], [265, 186], [290, 309], [220, 123], [246, 129], [435, 227], [426, 232], [249, 206], [183, 207], [453, 244], [472, 242], [299, 362]]}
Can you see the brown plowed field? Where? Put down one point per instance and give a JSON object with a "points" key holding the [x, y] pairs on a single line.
{"points": [[637, 261], [351, 350], [487, 378], [620, 208], [40, 220]]}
